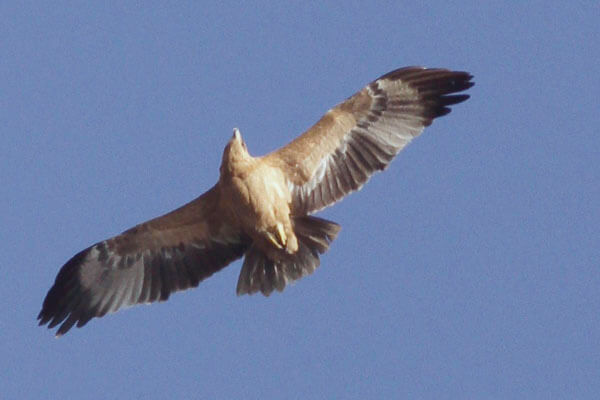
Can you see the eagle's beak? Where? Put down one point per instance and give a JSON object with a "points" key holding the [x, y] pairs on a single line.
{"points": [[236, 134]]}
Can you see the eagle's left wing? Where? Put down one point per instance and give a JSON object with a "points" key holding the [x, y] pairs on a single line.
{"points": [[363, 134]]}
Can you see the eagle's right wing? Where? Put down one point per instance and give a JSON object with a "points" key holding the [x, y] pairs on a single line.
{"points": [[144, 264]]}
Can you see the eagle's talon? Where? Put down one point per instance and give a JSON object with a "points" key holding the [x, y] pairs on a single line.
{"points": [[273, 240], [281, 234]]}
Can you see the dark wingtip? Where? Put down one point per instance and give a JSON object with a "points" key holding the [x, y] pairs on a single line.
{"points": [[455, 99], [437, 87], [57, 304]]}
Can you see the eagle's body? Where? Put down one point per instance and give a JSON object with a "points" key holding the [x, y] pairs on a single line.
{"points": [[256, 195], [260, 207]]}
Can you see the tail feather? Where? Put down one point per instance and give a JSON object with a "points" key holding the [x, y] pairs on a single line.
{"points": [[260, 273]]}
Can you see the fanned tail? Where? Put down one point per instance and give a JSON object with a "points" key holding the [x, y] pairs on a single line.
{"points": [[259, 273]]}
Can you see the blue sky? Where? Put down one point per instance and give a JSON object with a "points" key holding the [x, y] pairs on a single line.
{"points": [[469, 269]]}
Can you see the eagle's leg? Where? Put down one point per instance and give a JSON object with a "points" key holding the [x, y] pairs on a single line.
{"points": [[281, 233], [274, 240], [282, 240]]}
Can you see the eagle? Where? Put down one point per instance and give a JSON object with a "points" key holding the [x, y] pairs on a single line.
{"points": [[261, 208]]}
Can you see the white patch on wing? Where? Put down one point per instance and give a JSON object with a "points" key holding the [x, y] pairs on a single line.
{"points": [[93, 254], [319, 173], [114, 260], [137, 282], [145, 258]]}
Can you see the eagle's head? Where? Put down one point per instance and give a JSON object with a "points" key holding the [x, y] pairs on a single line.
{"points": [[235, 154]]}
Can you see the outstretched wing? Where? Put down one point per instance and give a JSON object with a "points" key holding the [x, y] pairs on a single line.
{"points": [[363, 134], [143, 264]]}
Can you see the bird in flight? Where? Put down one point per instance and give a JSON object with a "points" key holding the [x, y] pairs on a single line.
{"points": [[261, 207]]}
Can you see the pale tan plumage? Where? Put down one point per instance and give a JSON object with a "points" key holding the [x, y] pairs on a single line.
{"points": [[260, 207]]}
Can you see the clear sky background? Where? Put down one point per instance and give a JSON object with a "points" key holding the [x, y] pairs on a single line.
{"points": [[469, 269]]}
